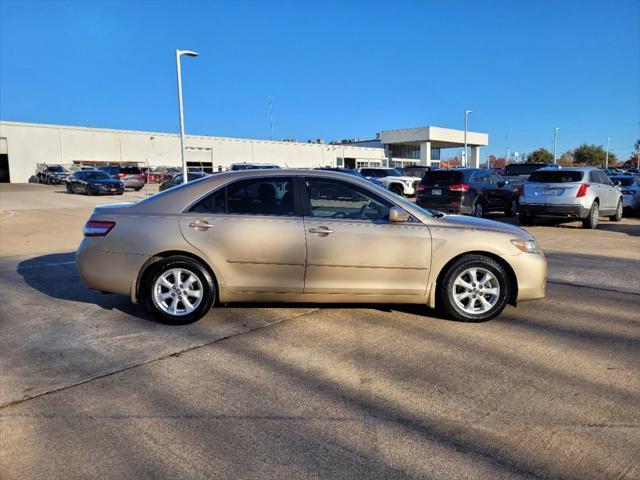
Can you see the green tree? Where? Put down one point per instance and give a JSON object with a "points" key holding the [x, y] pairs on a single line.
{"points": [[542, 155], [593, 155]]}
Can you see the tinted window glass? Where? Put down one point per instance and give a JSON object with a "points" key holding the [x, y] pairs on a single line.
{"points": [[131, 170], [555, 176], [335, 199], [495, 178], [625, 181], [442, 176], [213, 203], [96, 176], [522, 168], [263, 196], [604, 179]]}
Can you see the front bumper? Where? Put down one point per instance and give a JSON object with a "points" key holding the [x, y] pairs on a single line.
{"points": [[553, 210], [531, 274]]}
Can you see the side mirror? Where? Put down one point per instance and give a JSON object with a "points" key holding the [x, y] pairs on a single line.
{"points": [[397, 214], [616, 183]]}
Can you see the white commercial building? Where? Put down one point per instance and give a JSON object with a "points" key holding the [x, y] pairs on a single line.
{"points": [[24, 145]]}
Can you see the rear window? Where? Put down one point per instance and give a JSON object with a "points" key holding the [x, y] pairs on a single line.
{"points": [[626, 181], [555, 176], [522, 168], [131, 170], [442, 176]]}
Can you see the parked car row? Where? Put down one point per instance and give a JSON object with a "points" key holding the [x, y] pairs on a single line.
{"points": [[582, 193]]}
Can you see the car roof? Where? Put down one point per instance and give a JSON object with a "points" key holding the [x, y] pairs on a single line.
{"points": [[568, 169]]}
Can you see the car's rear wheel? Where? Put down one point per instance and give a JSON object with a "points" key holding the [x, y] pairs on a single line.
{"points": [[511, 209], [474, 288], [178, 290], [88, 190], [478, 209], [69, 188], [137, 188], [593, 218], [397, 189], [526, 219], [616, 217]]}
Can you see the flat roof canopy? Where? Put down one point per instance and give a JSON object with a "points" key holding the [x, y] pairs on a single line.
{"points": [[439, 137]]}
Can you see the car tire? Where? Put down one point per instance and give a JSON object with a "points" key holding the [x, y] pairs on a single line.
{"points": [[478, 209], [137, 189], [153, 289], [397, 189], [616, 217], [88, 190], [512, 209], [526, 219], [69, 189], [593, 218], [472, 304]]}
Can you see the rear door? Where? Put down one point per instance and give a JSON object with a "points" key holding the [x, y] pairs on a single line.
{"points": [[610, 194], [253, 233], [500, 192], [353, 248]]}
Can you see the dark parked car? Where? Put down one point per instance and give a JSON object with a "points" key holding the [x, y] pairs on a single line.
{"points": [[131, 175], [50, 174], [177, 179], [93, 182], [472, 191], [517, 173]]}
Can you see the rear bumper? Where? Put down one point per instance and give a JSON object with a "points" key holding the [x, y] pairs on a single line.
{"points": [[553, 210], [451, 205]]}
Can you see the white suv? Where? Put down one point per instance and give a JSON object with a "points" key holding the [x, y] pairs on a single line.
{"points": [[393, 180]]}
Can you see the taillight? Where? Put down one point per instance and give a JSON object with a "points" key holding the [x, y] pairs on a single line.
{"points": [[121, 175], [462, 187], [95, 228], [141, 175], [419, 187], [582, 191]]}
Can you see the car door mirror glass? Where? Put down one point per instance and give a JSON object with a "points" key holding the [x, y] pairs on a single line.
{"points": [[397, 215]]}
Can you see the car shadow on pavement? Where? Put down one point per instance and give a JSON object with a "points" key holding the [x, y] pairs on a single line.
{"points": [[56, 275]]}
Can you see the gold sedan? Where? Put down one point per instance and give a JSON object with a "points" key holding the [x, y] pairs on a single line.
{"points": [[303, 236]]}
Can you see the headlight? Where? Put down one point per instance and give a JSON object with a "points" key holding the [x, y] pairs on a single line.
{"points": [[528, 246]]}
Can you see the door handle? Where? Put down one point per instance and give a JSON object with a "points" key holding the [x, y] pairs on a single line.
{"points": [[321, 230], [200, 225]]}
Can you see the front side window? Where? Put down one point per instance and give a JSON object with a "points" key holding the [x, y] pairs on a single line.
{"points": [[336, 199], [255, 196]]}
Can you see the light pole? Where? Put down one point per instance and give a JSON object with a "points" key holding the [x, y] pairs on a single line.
{"points": [[271, 98], [466, 123], [179, 53], [555, 144], [606, 156]]}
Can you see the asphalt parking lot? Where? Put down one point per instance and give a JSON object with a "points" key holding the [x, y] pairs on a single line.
{"points": [[92, 387]]}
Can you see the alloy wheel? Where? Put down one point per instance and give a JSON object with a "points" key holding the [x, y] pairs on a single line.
{"points": [[177, 292], [476, 290]]}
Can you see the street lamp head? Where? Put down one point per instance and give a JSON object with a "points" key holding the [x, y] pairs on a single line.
{"points": [[467, 112], [188, 53]]}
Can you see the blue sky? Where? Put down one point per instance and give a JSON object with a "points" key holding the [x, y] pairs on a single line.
{"points": [[337, 69]]}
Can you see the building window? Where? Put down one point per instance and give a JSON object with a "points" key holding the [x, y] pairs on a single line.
{"points": [[404, 150]]}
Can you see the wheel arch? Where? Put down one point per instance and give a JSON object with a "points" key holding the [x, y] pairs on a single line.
{"points": [[503, 263], [135, 291]]}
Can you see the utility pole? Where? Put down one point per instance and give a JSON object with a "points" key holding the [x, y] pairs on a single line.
{"points": [[606, 156], [270, 99], [555, 144], [466, 121], [179, 53]]}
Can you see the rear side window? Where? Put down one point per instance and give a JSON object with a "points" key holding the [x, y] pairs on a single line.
{"points": [[442, 176], [522, 168], [555, 176], [255, 196]]}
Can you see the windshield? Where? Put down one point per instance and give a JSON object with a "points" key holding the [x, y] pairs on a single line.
{"points": [[626, 181], [555, 176], [522, 168], [96, 176], [55, 169]]}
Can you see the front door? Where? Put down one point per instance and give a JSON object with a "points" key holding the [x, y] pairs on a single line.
{"points": [[353, 248], [252, 235]]}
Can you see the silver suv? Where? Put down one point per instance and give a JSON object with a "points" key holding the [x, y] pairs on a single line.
{"points": [[573, 193]]}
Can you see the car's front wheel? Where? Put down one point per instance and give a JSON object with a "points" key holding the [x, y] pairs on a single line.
{"points": [[616, 217], [478, 209], [178, 290], [397, 189], [511, 209], [526, 219], [474, 288]]}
